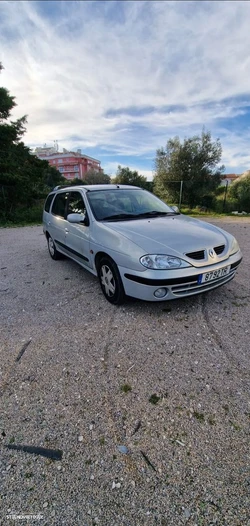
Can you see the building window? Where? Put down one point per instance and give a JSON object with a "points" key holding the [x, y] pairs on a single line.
{"points": [[61, 169], [60, 160], [76, 168]]}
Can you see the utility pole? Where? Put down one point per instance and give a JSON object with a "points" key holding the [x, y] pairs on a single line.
{"points": [[180, 199], [225, 197]]}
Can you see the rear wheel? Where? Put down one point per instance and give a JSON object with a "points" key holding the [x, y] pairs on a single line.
{"points": [[110, 281], [52, 249]]}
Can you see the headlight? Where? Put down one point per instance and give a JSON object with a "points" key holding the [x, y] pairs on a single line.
{"points": [[162, 262], [234, 247]]}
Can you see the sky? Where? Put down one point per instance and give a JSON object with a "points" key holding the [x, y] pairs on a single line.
{"points": [[118, 79]]}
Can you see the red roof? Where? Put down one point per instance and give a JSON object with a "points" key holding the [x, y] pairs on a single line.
{"points": [[230, 176]]}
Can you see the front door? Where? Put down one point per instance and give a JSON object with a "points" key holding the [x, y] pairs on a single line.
{"points": [[57, 222], [77, 235]]}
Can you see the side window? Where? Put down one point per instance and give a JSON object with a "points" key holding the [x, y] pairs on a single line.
{"points": [[76, 203], [48, 202], [58, 208]]}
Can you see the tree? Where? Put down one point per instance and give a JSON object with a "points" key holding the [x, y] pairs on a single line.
{"points": [[127, 176], [194, 162], [75, 181], [240, 190], [23, 177], [93, 176]]}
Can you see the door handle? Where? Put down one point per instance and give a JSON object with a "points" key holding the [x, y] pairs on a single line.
{"points": [[66, 230]]}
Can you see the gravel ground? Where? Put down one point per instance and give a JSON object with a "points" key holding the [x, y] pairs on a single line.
{"points": [[169, 382]]}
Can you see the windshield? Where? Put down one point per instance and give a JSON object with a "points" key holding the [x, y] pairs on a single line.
{"points": [[126, 204]]}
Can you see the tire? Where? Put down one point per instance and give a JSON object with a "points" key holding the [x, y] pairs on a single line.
{"points": [[53, 252], [110, 281]]}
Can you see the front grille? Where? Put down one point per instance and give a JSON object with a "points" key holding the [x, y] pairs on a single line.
{"points": [[219, 249], [195, 288], [199, 254]]}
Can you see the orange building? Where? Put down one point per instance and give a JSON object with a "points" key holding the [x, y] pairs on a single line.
{"points": [[228, 179], [70, 164]]}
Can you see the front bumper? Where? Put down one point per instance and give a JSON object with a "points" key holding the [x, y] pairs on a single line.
{"points": [[178, 283]]}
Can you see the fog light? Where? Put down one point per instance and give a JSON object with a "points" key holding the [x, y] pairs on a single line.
{"points": [[160, 293]]}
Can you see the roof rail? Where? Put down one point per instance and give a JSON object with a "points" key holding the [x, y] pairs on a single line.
{"points": [[60, 186], [66, 186]]}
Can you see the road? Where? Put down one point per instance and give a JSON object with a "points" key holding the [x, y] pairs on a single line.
{"points": [[169, 382]]}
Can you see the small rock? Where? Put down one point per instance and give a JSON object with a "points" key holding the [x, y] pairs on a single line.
{"points": [[123, 449], [45, 505], [116, 485], [187, 513], [80, 438]]}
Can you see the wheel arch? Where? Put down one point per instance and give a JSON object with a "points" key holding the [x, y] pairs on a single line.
{"points": [[99, 256]]}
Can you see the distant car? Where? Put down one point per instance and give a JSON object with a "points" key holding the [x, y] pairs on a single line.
{"points": [[136, 244]]}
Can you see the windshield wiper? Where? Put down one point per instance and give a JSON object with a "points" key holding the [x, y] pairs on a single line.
{"points": [[156, 213], [151, 213], [119, 216]]}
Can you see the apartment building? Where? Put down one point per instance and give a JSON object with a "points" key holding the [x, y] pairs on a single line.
{"points": [[70, 164]]}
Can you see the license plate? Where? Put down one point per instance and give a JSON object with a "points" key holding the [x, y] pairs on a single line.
{"points": [[215, 274]]}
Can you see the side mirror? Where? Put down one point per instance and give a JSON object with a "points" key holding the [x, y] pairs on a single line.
{"points": [[76, 218], [175, 209]]}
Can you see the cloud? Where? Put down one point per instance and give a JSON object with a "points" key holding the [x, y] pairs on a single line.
{"points": [[123, 77]]}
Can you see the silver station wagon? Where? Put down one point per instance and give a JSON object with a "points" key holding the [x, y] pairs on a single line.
{"points": [[136, 244]]}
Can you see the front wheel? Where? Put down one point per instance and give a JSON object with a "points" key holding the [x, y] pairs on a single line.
{"points": [[110, 281], [52, 249]]}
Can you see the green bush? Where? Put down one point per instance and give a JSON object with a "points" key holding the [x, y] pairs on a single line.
{"points": [[24, 216], [240, 192]]}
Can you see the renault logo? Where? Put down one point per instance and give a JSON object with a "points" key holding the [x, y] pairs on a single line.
{"points": [[211, 253]]}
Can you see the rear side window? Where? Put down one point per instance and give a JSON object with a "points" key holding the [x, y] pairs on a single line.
{"points": [[59, 204], [48, 202]]}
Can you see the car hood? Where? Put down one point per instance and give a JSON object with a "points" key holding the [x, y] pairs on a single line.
{"points": [[173, 235]]}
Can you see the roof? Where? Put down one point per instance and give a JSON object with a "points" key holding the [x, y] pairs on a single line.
{"points": [[64, 155], [230, 176], [93, 187]]}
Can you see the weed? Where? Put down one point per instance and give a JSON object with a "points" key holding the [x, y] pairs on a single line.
{"points": [[28, 475], [199, 416], [235, 426], [126, 388], [102, 441], [202, 505], [154, 399], [211, 421]]}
